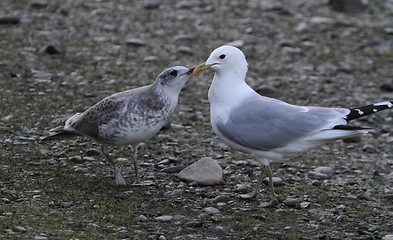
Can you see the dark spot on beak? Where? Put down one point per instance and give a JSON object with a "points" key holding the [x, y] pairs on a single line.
{"points": [[190, 71]]}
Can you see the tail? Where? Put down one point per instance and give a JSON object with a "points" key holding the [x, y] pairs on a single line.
{"points": [[359, 112], [59, 135]]}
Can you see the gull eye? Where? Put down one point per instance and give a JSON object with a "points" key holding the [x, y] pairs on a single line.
{"points": [[222, 56], [173, 73]]}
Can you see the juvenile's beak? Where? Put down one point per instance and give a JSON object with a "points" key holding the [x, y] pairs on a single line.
{"points": [[201, 67]]}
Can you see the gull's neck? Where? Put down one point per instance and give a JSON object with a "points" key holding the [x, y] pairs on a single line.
{"points": [[228, 89]]}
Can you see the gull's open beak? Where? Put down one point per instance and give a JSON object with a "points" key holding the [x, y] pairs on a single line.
{"points": [[201, 67]]}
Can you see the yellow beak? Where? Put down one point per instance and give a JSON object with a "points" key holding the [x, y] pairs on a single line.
{"points": [[201, 67]]}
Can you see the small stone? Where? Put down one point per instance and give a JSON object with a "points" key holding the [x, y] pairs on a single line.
{"points": [[167, 125], [242, 188], [325, 170], [221, 230], [185, 50], [40, 238], [369, 148], [212, 210], [355, 139], [20, 229], [93, 152], [185, 37], [161, 237], [153, 59], [316, 182], [236, 43], [266, 91], [9, 20], [91, 159], [76, 159], [151, 4], [388, 30], [317, 175], [206, 171], [292, 202], [174, 194], [387, 85], [175, 169], [164, 218], [5, 200], [222, 199], [39, 4], [387, 237], [277, 181], [136, 42], [350, 6], [51, 50], [142, 218]]}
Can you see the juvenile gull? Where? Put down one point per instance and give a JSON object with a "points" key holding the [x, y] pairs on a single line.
{"points": [[268, 128], [128, 118]]}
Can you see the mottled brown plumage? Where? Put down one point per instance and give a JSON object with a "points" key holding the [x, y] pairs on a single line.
{"points": [[129, 117]]}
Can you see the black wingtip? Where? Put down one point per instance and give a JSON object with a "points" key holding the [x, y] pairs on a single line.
{"points": [[369, 109]]}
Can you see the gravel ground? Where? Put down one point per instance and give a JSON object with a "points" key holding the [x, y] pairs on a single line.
{"points": [[59, 57]]}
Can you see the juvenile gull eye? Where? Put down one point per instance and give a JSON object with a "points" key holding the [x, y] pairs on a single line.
{"points": [[222, 56], [173, 73]]}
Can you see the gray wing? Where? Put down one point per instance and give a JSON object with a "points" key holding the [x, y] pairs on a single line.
{"points": [[264, 124], [101, 113]]}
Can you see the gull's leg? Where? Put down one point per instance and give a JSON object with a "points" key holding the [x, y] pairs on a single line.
{"points": [[118, 175], [135, 160], [273, 202], [257, 187]]}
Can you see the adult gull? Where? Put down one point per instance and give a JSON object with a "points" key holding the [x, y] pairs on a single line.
{"points": [[268, 128]]}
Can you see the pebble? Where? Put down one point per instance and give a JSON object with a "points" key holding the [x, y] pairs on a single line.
{"points": [[175, 169], [387, 237], [242, 188], [164, 218], [185, 50], [174, 194], [266, 91], [317, 175], [151, 4], [277, 181], [236, 43], [51, 50], [93, 152], [40, 238], [206, 171], [76, 159], [212, 210], [349, 6], [153, 59], [292, 202], [9, 20], [325, 170], [368, 148], [185, 37], [222, 199], [221, 230], [136, 42], [20, 229], [142, 218], [316, 182], [387, 85], [161, 237], [39, 4]]}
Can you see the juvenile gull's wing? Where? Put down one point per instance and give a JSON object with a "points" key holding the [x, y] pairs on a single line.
{"points": [[264, 124]]}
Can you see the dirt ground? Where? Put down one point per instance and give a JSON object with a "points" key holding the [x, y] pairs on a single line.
{"points": [[60, 57]]}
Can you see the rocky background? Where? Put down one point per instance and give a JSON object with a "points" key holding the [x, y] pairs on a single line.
{"points": [[60, 57]]}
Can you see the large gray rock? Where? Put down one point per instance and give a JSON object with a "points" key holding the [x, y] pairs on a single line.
{"points": [[206, 171]]}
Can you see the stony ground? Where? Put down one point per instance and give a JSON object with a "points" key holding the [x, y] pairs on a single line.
{"points": [[59, 57]]}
